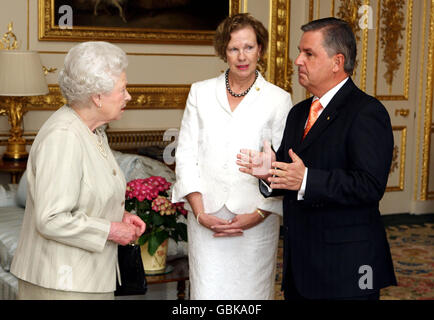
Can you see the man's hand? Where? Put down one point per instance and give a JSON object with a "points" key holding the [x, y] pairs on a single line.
{"points": [[256, 163], [287, 175]]}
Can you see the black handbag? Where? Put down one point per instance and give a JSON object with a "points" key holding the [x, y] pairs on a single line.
{"points": [[131, 270]]}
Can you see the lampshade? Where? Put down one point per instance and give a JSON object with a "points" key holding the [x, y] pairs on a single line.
{"points": [[21, 74]]}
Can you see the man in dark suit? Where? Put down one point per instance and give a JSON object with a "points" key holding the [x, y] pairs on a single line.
{"points": [[332, 168]]}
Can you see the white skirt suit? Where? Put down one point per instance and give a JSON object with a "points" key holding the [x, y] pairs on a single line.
{"points": [[211, 136], [73, 195]]}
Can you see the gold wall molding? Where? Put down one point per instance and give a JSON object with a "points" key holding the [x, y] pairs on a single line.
{"points": [[348, 11], [49, 31], [420, 95], [398, 160], [428, 110], [390, 21], [142, 97], [119, 140], [280, 64]]}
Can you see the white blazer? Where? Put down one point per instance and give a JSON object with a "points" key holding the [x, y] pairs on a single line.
{"points": [[211, 135], [73, 194]]}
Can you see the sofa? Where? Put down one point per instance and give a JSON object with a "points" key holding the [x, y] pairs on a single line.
{"points": [[13, 200]]}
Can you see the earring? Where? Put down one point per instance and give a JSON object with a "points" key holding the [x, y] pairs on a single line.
{"points": [[99, 106]]}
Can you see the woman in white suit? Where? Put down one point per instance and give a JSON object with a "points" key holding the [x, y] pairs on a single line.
{"points": [[233, 230], [74, 217]]}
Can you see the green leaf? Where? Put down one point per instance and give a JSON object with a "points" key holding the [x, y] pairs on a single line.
{"points": [[155, 240], [144, 238], [157, 220]]}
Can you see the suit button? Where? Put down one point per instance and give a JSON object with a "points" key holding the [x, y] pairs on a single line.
{"points": [[225, 166], [122, 203], [114, 172]]}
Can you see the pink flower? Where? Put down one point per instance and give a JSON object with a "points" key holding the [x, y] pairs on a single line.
{"points": [[180, 207], [163, 206]]}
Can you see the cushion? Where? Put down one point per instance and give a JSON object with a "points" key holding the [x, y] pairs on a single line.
{"points": [[11, 219], [140, 167], [7, 195], [22, 191]]}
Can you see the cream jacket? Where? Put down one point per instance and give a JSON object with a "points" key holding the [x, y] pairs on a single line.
{"points": [[73, 194], [212, 135]]}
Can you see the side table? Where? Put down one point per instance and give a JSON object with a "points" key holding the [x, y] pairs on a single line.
{"points": [[179, 274], [14, 168]]}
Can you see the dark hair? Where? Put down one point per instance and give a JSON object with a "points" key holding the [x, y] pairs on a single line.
{"points": [[234, 23], [338, 38]]}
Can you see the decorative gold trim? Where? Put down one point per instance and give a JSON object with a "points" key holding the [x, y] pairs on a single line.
{"points": [[48, 31], [391, 32], [430, 193], [281, 69], [364, 55], [28, 24], [403, 149], [119, 140], [348, 11], [428, 109], [145, 54], [9, 40], [234, 7], [142, 97], [310, 10], [420, 93]]}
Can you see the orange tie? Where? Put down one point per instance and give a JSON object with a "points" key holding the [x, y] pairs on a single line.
{"points": [[315, 108]]}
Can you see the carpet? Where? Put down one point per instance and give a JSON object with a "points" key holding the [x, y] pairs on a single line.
{"points": [[411, 240]]}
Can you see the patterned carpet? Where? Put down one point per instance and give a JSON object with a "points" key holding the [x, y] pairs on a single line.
{"points": [[412, 247]]}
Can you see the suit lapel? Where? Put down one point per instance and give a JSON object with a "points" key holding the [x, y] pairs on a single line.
{"points": [[330, 113]]}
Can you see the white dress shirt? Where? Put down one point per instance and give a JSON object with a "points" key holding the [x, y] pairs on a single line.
{"points": [[324, 100]]}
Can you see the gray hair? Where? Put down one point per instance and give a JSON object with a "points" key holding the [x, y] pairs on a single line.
{"points": [[338, 38], [91, 68]]}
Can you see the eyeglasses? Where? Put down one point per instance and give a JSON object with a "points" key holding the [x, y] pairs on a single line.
{"points": [[246, 50]]}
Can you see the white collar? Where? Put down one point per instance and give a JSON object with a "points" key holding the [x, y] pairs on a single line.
{"points": [[328, 96]]}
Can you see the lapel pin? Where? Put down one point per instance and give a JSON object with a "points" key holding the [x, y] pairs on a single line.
{"points": [[257, 88], [328, 118]]}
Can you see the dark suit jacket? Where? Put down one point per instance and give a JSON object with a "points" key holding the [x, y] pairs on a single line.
{"points": [[336, 229]]}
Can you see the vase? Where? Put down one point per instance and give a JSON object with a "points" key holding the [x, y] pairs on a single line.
{"points": [[156, 263]]}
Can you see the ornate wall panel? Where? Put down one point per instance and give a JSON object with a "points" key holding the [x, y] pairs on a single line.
{"points": [[280, 64], [428, 113], [393, 49], [397, 169]]}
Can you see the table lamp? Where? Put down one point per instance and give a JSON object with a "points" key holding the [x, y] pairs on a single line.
{"points": [[21, 75]]}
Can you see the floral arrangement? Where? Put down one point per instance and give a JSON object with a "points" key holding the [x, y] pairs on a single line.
{"points": [[148, 198]]}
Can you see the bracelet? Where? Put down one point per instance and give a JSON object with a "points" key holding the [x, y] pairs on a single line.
{"points": [[260, 213], [197, 217]]}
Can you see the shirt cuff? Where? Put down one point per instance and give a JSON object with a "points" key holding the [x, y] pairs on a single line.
{"points": [[300, 194], [267, 186]]}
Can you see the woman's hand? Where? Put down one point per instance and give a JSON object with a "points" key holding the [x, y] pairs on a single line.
{"points": [[122, 233], [212, 222], [135, 221], [239, 222]]}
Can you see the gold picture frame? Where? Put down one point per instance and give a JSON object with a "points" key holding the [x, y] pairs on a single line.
{"points": [[50, 31]]}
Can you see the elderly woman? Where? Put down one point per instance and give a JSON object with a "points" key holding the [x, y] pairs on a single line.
{"points": [[74, 217], [233, 230]]}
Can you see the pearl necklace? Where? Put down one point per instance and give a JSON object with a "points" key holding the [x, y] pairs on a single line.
{"points": [[238, 95], [100, 144]]}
